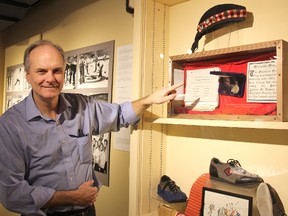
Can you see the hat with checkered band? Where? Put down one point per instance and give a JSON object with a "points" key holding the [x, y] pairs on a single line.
{"points": [[218, 17]]}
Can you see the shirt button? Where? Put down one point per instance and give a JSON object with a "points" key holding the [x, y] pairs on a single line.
{"points": [[63, 141], [71, 179]]}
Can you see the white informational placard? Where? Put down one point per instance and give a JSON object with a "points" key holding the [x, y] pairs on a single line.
{"points": [[179, 78], [262, 81], [123, 91], [201, 91]]}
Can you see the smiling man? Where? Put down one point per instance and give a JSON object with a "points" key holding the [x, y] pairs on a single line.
{"points": [[46, 139], [45, 68]]}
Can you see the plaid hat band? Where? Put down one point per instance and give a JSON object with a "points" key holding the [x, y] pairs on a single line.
{"points": [[229, 14], [218, 17]]}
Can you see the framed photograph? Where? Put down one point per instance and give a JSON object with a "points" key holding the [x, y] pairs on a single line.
{"points": [[231, 83], [221, 203], [101, 145], [17, 86], [90, 67], [89, 71]]}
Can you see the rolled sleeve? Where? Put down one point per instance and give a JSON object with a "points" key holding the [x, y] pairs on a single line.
{"points": [[129, 116], [41, 195]]}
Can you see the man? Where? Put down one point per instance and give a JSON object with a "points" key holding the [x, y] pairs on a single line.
{"points": [[45, 140]]}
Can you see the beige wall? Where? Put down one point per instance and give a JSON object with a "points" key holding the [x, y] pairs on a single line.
{"points": [[76, 24], [190, 148], [264, 28]]}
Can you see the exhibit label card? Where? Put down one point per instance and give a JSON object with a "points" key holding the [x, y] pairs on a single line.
{"points": [[262, 81], [201, 91]]}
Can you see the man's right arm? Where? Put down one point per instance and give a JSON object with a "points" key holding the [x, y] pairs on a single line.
{"points": [[163, 95]]}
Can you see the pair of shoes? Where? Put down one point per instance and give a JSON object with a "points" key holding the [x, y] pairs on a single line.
{"points": [[232, 172], [169, 191], [268, 201]]}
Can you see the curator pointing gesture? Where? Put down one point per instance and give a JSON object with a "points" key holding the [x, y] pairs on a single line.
{"points": [[46, 139]]}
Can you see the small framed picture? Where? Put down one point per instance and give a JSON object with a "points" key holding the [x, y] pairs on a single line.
{"points": [[231, 83], [219, 203]]}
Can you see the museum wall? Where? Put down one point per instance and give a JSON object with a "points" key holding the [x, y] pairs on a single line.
{"points": [[73, 25], [76, 24]]}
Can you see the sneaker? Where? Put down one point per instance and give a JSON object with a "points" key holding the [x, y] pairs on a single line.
{"points": [[232, 172], [268, 201], [169, 191]]}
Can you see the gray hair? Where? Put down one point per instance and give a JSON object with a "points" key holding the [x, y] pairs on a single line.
{"points": [[36, 44]]}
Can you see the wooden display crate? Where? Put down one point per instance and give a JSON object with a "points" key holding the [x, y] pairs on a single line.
{"points": [[279, 49]]}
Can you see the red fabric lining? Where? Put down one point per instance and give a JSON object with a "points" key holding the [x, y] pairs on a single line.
{"points": [[230, 104]]}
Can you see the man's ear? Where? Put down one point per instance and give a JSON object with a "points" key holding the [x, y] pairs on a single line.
{"points": [[27, 75]]}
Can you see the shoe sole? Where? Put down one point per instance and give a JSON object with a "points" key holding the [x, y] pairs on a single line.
{"points": [[234, 183], [194, 203], [264, 200]]}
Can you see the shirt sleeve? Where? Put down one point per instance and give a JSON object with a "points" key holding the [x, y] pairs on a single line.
{"points": [[112, 117], [129, 116], [14, 189]]}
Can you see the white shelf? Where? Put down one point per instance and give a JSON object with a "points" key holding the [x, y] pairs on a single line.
{"points": [[221, 123]]}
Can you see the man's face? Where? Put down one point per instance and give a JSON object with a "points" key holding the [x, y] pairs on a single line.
{"points": [[46, 73]]}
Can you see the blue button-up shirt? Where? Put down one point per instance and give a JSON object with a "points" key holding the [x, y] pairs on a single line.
{"points": [[40, 155]]}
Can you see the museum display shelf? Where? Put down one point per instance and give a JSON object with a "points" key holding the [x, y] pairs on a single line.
{"points": [[271, 52]]}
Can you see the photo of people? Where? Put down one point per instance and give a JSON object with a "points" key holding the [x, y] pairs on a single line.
{"points": [[70, 72], [94, 68], [9, 79], [15, 78], [101, 149], [17, 81], [12, 100], [17, 87], [100, 146]]}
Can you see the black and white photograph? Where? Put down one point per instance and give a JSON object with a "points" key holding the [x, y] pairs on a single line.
{"points": [[18, 78], [101, 146], [17, 87], [9, 79], [101, 149], [70, 72], [13, 99], [89, 68], [89, 72], [15, 78], [94, 68]]}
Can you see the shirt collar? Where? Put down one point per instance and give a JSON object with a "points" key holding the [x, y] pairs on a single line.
{"points": [[32, 110]]}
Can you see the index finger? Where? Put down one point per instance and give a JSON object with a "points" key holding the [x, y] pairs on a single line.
{"points": [[175, 86]]}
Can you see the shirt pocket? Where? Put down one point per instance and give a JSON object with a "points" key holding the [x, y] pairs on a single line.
{"points": [[85, 149]]}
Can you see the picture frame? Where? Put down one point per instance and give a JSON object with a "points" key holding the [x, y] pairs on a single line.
{"points": [[17, 87], [231, 83], [89, 71], [221, 203]]}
